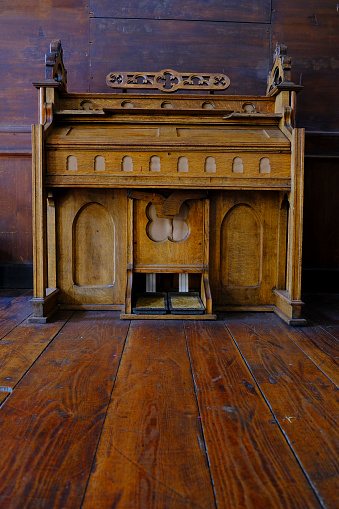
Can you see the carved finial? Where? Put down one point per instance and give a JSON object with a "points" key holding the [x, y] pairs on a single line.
{"points": [[280, 50], [280, 76], [55, 69]]}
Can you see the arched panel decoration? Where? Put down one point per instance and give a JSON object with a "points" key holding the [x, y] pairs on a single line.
{"points": [[93, 246], [154, 163], [72, 163], [182, 164], [127, 163], [210, 165], [241, 248], [237, 166], [99, 163], [265, 166]]}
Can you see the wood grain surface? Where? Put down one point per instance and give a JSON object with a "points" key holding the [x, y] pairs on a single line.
{"points": [[304, 403], [23, 345], [51, 424], [217, 10], [205, 47], [319, 345], [13, 311], [310, 29], [151, 452], [193, 419], [15, 210], [251, 463]]}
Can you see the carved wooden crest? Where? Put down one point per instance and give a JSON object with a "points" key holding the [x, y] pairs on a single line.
{"points": [[168, 80], [280, 76]]}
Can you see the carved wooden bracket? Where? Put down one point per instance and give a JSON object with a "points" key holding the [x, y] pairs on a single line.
{"points": [[168, 80], [280, 76], [167, 206], [55, 72]]}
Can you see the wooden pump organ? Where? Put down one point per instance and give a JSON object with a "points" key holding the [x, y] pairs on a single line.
{"points": [[165, 205]]}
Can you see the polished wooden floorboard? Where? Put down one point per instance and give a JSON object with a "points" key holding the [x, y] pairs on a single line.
{"points": [[96, 412]]}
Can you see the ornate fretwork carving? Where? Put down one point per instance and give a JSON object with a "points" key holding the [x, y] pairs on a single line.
{"points": [[280, 76], [168, 80]]}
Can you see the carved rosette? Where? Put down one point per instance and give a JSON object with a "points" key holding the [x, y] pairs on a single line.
{"points": [[168, 80]]}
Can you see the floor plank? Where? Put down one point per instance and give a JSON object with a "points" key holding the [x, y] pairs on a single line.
{"points": [[151, 452], [303, 400], [51, 424], [251, 462], [323, 309], [319, 345], [23, 345], [14, 310]]}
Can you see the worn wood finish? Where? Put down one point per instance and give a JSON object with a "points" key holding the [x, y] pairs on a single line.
{"points": [[50, 422], [23, 345], [115, 40], [251, 463], [319, 345], [244, 226], [151, 451], [304, 403], [103, 141], [58, 411], [14, 311], [258, 12], [91, 240]]}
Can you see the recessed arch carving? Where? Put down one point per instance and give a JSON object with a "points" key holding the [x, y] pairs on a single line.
{"points": [[182, 163], [127, 163], [93, 246], [99, 163], [237, 166], [210, 166], [241, 247], [264, 165], [72, 163], [155, 164]]}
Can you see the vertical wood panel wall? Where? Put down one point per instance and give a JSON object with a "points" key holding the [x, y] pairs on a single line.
{"points": [[234, 37]]}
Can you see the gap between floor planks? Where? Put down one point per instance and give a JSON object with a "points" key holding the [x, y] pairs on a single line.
{"points": [[52, 422], [303, 399], [250, 406]]}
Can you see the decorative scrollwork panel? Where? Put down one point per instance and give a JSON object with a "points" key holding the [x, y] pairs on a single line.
{"points": [[168, 80]]}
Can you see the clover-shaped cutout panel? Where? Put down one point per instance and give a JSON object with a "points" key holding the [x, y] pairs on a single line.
{"points": [[174, 229]]}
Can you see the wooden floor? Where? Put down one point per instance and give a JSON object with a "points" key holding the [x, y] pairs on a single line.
{"points": [[102, 413]]}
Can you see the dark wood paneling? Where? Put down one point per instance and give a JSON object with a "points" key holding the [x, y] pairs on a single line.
{"points": [[217, 10], [310, 30], [15, 210], [27, 28], [151, 45], [321, 214]]}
